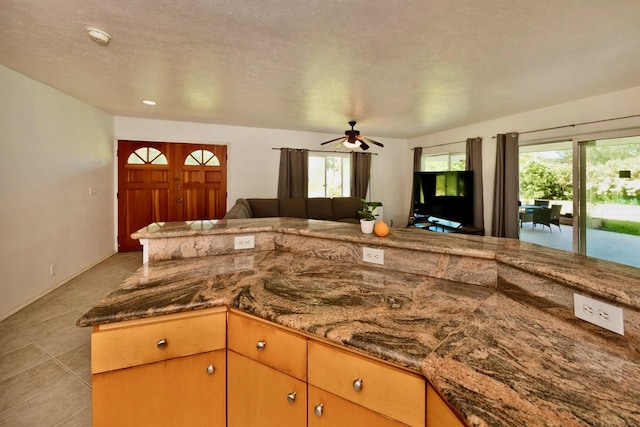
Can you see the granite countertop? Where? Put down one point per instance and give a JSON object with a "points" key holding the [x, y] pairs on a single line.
{"points": [[616, 282], [501, 356]]}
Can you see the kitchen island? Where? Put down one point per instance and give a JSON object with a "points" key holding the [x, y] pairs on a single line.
{"points": [[489, 322]]}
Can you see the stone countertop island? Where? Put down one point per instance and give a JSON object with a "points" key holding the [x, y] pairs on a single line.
{"points": [[488, 321]]}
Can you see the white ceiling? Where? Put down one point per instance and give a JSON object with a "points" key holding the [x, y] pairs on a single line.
{"points": [[401, 68]]}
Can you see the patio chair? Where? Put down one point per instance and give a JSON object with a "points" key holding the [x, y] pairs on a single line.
{"points": [[555, 216], [542, 216], [543, 203]]}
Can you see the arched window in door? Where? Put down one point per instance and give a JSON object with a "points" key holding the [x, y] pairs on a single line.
{"points": [[147, 156], [202, 157]]}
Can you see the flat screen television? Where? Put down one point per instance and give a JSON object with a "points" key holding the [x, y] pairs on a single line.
{"points": [[447, 195]]}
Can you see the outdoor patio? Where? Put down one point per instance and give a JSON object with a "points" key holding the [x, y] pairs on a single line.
{"points": [[616, 247]]}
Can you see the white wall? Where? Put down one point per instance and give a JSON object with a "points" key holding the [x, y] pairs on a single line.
{"points": [[53, 147], [611, 105], [253, 165]]}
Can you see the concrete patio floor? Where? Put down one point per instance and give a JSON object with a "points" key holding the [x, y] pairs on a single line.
{"points": [[616, 247]]}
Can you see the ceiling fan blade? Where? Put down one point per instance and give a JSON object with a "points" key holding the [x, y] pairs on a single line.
{"points": [[331, 140], [371, 141], [363, 145]]}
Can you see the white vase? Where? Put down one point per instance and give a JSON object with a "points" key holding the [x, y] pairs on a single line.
{"points": [[366, 226]]}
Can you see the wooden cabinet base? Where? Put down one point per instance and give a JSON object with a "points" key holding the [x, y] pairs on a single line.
{"points": [[259, 395], [438, 411], [337, 411], [180, 391]]}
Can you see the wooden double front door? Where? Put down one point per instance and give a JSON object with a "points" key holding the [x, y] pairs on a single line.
{"points": [[160, 181]]}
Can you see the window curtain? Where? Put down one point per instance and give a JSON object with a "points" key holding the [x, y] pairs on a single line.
{"points": [[506, 188], [293, 177], [474, 163], [417, 165], [360, 173]]}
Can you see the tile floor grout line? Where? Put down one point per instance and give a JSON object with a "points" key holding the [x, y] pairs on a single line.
{"points": [[56, 361]]}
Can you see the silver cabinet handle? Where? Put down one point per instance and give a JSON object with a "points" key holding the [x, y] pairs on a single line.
{"points": [[357, 384], [162, 343], [291, 397], [318, 409], [260, 345], [211, 369]]}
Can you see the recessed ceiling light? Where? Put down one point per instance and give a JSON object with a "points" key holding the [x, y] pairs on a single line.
{"points": [[149, 102], [97, 35]]}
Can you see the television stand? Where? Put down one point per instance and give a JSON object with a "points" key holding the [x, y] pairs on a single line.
{"points": [[443, 225]]}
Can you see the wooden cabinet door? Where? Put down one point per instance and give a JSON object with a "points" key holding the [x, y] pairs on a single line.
{"points": [[176, 392], [336, 411], [438, 411], [261, 396]]}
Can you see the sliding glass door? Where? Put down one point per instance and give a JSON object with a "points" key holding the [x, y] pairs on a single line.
{"points": [[609, 199], [597, 184]]}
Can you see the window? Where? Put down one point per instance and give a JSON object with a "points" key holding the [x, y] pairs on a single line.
{"points": [[147, 155], [444, 162], [329, 175], [202, 157]]}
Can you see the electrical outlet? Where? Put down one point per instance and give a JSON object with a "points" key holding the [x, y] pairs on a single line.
{"points": [[93, 191], [375, 256], [599, 313], [243, 263], [244, 242], [53, 269]]}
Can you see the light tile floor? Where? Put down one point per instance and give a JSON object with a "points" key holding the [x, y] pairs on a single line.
{"points": [[45, 373]]}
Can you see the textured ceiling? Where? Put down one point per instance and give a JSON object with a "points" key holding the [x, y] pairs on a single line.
{"points": [[401, 68]]}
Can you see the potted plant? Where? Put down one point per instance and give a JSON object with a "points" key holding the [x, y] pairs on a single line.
{"points": [[368, 218]]}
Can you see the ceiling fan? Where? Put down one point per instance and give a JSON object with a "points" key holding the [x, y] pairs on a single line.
{"points": [[353, 139]]}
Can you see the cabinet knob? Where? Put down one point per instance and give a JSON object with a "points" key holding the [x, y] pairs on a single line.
{"points": [[211, 369], [162, 343], [318, 409], [357, 384], [260, 345], [291, 397]]}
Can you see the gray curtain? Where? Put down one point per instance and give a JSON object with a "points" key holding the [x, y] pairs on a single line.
{"points": [[293, 177], [474, 163], [506, 189], [360, 173], [417, 165]]}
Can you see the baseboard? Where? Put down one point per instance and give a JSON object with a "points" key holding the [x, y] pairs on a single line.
{"points": [[14, 310]]}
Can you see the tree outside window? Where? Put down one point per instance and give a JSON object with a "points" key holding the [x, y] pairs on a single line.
{"points": [[444, 162], [329, 175]]}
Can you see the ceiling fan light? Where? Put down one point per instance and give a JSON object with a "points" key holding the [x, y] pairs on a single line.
{"points": [[99, 36], [348, 144]]}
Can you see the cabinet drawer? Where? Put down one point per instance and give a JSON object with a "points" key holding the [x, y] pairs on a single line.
{"points": [[337, 411], [133, 343], [390, 391], [268, 344]]}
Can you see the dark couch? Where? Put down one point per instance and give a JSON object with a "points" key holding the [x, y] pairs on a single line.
{"points": [[344, 209]]}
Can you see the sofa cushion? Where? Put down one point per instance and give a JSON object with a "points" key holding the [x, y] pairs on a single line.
{"points": [[241, 209], [346, 207], [264, 208], [292, 207], [319, 208]]}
